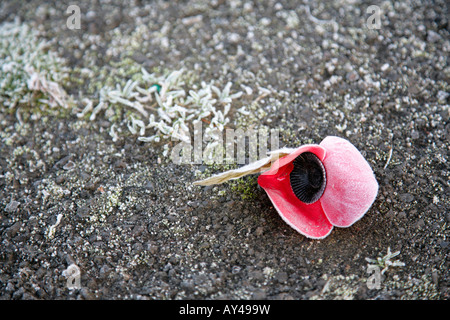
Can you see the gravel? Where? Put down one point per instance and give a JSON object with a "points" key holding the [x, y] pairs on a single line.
{"points": [[132, 221]]}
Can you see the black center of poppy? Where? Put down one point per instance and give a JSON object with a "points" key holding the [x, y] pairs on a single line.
{"points": [[308, 178]]}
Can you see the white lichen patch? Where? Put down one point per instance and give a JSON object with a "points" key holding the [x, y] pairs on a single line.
{"points": [[338, 288], [29, 71], [23, 158], [106, 203], [48, 190]]}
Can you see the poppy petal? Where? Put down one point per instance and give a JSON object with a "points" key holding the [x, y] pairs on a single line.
{"points": [[307, 219], [351, 185]]}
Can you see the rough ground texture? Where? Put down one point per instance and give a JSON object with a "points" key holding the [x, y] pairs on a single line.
{"points": [[131, 219]]}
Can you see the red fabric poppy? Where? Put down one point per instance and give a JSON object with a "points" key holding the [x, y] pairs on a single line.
{"points": [[350, 188]]}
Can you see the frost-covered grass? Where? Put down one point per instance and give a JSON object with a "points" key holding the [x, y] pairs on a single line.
{"points": [[166, 107], [385, 262], [158, 108], [29, 71]]}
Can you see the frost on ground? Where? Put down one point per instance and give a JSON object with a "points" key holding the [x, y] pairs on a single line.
{"points": [[160, 107], [164, 107], [29, 71]]}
